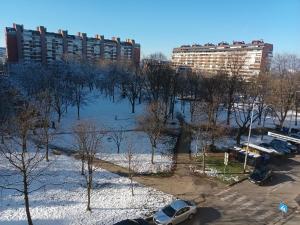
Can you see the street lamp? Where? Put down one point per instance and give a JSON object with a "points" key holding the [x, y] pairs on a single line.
{"points": [[249, 134]]}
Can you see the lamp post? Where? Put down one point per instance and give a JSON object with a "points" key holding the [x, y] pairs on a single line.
{"points": [[249, 134]]}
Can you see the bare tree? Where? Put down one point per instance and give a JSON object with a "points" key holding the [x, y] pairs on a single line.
{"points": [[130, 159], [283, 85], [130, 84], [8, 97], [60, 88], [21, 162], [243, 109], [43, 104], [212, 97], [232, 67], [202, 137], [153, 123], [118, 135], [263, 90], [88, 141], [79, 78], [112, 77]]}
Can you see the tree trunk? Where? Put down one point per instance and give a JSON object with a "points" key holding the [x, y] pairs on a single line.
{"points": [[204, 160], [130, 176], [281, 122], [24, 144], [228, 114], [82, 165], [78, 112], [118, 146], [131, 183], [89, 187], [26, 198], [296, 116], [152, 155], [238, 136], [47, 148], [263, 126], [133, 106], [59, 116]]}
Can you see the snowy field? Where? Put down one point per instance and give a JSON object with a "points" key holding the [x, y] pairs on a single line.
{"points": [[63, 200], [141, 148], [108, 115], [104, 112]]}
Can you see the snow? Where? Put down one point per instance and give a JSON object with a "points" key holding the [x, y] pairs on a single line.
{"points": [[142, 153], [105, 113], [63, 200], [108, 115]]}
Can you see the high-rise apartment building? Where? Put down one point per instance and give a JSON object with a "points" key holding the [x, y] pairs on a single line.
{"points": [[2, 55], [245, 59], [2, 60], [46, 47]]}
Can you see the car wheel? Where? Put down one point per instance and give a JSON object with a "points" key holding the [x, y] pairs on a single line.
{"points": [[170, 224], [191, 216]]}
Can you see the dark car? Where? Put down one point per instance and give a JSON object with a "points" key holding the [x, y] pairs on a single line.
{"points": [[260, 175], [285, 144], [296, 145], [269, 146], [280, 146], [132, 222]]}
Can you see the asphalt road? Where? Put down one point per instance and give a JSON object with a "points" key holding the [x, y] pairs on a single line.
{"points": [[247, 203]]}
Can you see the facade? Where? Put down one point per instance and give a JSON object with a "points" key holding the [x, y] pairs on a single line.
{"points": [[2, 55], [45, 47], [2, 60], [237, 58]]}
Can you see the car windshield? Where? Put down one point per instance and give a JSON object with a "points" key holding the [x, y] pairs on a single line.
{"points": [[169, 211]]}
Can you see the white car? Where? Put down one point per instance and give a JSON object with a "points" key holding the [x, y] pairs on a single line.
{"points": [[177, 212]]}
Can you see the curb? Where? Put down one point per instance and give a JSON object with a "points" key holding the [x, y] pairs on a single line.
{"points": [[237, 182]]}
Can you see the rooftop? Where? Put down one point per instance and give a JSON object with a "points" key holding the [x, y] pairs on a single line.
{"points": [[225, 46]]}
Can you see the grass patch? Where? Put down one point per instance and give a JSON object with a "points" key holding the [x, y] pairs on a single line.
{"points": [[216, 168]]}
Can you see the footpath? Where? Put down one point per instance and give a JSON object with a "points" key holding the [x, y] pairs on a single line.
{"points": [[180, 182]]}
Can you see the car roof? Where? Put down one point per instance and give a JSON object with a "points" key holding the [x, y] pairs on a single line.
{"points": [[178, 204]]}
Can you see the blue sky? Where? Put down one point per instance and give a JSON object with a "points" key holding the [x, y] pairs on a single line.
{"points": [[160, 25]]}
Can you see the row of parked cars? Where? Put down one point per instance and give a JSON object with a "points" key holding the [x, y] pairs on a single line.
{"points": [[262, 173], [281, 147], [176, 212]]}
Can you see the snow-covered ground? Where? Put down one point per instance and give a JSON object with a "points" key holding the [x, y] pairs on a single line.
{"points": [[63, 200], [105, 113], [141, 148], [108, 115]]}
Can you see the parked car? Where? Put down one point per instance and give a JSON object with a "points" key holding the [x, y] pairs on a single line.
{"points": [[280, 146], [177, 212], [295, 135], [268, 146], [133, 222], [260, 175], [297, 146], [293, 148]]}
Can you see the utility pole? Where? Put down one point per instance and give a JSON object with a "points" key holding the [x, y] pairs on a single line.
{"points": [[297, 97], [249, 134]]}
